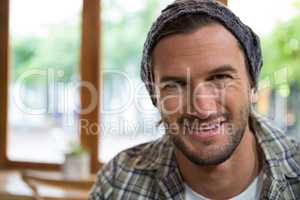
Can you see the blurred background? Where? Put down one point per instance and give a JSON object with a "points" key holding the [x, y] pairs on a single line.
{"points": [[45, 48]]}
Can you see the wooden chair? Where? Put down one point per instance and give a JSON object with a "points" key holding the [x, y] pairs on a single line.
{"points": [[53, 186]]}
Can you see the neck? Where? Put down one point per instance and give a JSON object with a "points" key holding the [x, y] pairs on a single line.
{"points": [[227, 179]]}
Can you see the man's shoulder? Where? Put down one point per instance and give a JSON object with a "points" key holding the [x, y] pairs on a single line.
{"points": [[281, 151], [291, 148], [145, 157], [286, 152], [138, 164], [280, 142]]}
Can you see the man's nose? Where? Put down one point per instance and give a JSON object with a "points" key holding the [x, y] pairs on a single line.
{"points": [[203, 100]]}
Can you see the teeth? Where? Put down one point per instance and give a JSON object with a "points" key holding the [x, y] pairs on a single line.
{"points": [[207, 127]]}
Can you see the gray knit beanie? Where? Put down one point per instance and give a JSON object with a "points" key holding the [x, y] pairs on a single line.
{"points": [[215, 10]]}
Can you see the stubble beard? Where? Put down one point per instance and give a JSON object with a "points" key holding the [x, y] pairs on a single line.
{"points": [[221, 153]]}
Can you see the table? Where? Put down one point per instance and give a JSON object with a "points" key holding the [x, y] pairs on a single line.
{"points": [[50, 186], [12, 187]]}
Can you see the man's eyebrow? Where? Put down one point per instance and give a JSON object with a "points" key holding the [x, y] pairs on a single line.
{"points": [[171, 78], [223, 68]]}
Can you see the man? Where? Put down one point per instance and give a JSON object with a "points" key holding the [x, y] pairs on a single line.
{"points": [[201, 65]]}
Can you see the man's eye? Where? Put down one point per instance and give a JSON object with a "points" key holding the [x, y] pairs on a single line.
{"points": [[221, 80], [220, 77], [173, 85]]}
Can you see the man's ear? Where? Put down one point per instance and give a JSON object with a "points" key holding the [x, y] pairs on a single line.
{"points": [[253, 95]]}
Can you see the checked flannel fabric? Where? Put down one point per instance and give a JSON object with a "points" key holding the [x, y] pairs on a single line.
{"points": [[149, 171]]}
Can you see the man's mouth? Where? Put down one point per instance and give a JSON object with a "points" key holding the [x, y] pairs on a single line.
{"points": [[203, 126], [205, 130], [207, 126]]}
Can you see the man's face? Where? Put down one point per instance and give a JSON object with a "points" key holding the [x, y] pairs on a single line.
{"points": [[203, 92]]}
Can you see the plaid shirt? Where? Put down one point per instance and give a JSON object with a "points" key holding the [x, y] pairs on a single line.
{"points": [[150, 171]]}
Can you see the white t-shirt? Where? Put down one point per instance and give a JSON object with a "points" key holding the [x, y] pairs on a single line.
{"points": [[251, 193]]}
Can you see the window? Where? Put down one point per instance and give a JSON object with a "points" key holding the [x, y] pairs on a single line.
{"points": [[43, 104], [277, 23], [127, 117], [44, 67]]}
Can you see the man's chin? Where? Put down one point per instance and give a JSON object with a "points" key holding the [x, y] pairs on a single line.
{"points": [[208, 152], [209, 159]]}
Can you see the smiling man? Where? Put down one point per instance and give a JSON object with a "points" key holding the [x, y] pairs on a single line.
{"points": [[201, 65]]}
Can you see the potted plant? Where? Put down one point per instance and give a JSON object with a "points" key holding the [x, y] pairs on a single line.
{"points": [[77, 162]]}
